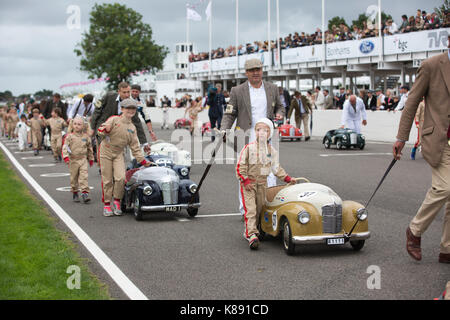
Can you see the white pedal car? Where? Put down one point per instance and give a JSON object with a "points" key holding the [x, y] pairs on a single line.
{"points": [[179, 157]]}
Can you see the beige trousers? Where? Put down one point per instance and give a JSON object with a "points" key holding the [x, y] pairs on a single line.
{"points": [[447, 294], [252, 202], [304, 118], [79, 175], [112, 166], [36, 138], [56, 143], [437, 196]]}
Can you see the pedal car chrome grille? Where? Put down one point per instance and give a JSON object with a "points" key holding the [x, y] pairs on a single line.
{"points": [[353, 138], [173, 155], [170, 192], [292, 132], [332, 218]]}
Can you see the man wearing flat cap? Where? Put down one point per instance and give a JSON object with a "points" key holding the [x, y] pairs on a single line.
{"points": [[252, 100], [110, 105]]}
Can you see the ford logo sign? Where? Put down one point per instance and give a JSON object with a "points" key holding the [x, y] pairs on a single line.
{"points": [[366, 47]]}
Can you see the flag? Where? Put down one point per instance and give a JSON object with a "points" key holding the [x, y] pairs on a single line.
{"points": [[193, 15], [208, 11]]}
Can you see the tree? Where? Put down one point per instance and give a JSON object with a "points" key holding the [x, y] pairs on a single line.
{"points": [[445, 7], [6, 95], [43, 93], [360, 21], [336, 21], [364, 18], [117, 44]]}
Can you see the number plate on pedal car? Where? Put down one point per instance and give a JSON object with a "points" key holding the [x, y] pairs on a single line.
{"points": [[335, 241], [172, 209]]}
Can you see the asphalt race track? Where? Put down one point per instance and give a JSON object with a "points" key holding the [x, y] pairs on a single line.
{"points": [[170, 256]]}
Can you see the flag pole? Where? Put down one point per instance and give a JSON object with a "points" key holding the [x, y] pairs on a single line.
{"points": [[278, 36], [268, 28], [210, 40], [187, 42], [237, 37], [324, 58]]}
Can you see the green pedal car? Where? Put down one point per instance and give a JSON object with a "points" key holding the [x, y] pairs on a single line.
{"points": [[344, 138]]}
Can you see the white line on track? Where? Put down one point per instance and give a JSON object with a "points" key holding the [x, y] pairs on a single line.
{"points": [[209, 216], [350, 154], [110, 267], [30, 158], [42, 165]]}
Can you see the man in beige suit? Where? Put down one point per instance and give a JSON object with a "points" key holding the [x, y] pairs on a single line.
{"points": [[249, 102], [433, 83], [252, 100], [302, 107]]}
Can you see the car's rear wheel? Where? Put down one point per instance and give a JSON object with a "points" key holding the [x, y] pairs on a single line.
{"points": [[288, 244], [138, 215], [362, 146], [327, 143], [262, 234], [192, 212], [357, 244]]}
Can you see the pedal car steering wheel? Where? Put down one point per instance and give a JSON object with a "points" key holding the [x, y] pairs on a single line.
{"points": [[301, 179]]}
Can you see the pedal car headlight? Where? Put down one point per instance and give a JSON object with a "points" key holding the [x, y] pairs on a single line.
{"points": [[147, 190], [363, 137], [361, 214], [344, 137], [184, 172], [193, 188], [303, 217]]}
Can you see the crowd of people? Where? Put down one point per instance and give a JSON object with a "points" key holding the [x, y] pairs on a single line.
{"points": [[421, 21]]}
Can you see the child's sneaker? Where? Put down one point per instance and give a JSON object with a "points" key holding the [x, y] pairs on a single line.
{"points": [[107, 211], [75, 197], [116, 207], [253, 242], [85, 197], [55, 159]]}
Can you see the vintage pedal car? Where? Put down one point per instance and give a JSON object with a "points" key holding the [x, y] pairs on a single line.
{"points": [[179, 157], [289, 132], [182, 123], [312, 213], [163, 161], [344, 138], [158, 189]]}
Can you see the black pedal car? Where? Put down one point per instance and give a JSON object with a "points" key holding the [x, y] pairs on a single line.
{"points": [[344, 138], [159, 189]]}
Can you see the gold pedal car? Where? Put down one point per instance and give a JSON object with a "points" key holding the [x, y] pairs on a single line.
{"points": [[312, 213]]}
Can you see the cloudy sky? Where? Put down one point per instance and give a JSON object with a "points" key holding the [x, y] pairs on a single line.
{"points": [[36, 50]]}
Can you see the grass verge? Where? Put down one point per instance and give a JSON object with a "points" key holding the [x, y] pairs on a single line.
{"points": [[34, 256]]}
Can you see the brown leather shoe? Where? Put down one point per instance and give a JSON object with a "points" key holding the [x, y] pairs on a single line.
{"points": [[413, 245], [444, 257]]}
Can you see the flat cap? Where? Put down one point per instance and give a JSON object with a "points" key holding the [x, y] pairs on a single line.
{"points": [[128, 103], [253, 64]]}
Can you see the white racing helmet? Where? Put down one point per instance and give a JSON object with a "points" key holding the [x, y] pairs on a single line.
{"points": [[267, 122]]}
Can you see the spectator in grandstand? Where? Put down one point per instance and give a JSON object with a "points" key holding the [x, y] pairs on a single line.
{"points": [[404, 23]]}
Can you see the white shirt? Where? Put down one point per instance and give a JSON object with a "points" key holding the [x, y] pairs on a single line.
{"points": [[320, 100], [119, 108], [402, 102], [349, 114], [258, 100], [21, 108], [81, 108]]}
